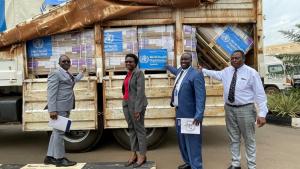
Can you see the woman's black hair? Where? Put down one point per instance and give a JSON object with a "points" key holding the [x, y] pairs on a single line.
{"points": [[136, 59]]}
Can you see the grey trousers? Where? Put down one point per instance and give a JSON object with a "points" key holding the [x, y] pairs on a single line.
{"points": [[56, 147], [240, 121], [137, 131]]}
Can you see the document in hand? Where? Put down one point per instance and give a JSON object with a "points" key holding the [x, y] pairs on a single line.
{"points": [[187, 126], [61, 123]]}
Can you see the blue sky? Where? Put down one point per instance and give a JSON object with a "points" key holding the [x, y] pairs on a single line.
{"points": [[279, 15]]}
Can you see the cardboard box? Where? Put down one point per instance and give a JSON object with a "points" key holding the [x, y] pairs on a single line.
{"points": [[189, 38], [156, 31], [121, 41], [78, 46], [227, 37], [158, 37], [40, 66], [117, 43]]}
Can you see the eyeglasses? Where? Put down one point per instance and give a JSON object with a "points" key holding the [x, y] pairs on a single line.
{"points": [[128, 61], [65, 61], [235, 58]]}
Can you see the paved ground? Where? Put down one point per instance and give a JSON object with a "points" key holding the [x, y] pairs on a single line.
{"points": [[98, 165], [278, 148]]}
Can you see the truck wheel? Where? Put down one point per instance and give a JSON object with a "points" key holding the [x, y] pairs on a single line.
{"points": [[83, 140], [271, 89], [154, 136]]}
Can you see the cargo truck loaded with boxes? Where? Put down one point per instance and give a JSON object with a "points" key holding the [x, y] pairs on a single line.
{"points": [[158, 34]]}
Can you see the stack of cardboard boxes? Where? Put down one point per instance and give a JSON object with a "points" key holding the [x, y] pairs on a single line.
{"points": [[117, 43], [158, 38], [155, 39], [216, 43], [43, 53], [227, 37], [190, 42]]}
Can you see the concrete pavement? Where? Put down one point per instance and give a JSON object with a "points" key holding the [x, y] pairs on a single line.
{"points": [[277, 148]]}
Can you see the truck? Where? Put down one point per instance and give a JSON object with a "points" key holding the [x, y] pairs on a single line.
{"points": [[296, 76], [275, 77], [23, 91]]}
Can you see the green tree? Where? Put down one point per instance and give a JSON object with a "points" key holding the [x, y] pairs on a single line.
{"points": [[292, 34], [291, 61]]}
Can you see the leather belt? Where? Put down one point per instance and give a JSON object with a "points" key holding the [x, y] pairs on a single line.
{"points": [[238, 105]]}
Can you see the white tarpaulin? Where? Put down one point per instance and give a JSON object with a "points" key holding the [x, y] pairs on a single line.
{"points": [[17, 11]]}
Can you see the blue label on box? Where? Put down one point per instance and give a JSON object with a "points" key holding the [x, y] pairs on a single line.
{"points": [[230, 41], [39, 48], [113, 41], [153, 58], [2, 16]]}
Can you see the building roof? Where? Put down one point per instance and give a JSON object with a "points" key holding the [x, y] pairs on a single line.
{"points": [[287, 48]]}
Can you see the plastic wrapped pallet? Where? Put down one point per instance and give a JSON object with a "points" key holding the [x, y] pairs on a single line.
{"points": [[190, 42], [157, 38], [117, 43], [43, 53]]}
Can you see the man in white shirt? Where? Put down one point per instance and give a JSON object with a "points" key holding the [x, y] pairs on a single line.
{"points": [[242, 88]]}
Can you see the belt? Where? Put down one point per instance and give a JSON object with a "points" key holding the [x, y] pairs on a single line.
{"points": [[238, 105]]}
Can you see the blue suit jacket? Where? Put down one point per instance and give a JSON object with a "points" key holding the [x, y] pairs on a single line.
{"points": [[192, 95]]}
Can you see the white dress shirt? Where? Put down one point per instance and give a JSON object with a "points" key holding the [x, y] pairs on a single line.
{"points": [[248, 89], [177, 87]]}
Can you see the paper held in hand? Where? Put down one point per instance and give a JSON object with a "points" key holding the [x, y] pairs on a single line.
{"points": [[187, 126], [61, 123]]}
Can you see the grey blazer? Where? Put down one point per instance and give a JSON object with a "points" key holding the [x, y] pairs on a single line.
{"points": [[60, 91], [137, 101]]}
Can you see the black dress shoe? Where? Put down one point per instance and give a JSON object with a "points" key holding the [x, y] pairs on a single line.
{"points": [[233, 167], [137, 165], [184, 166], [49, 160], [64, 162]]}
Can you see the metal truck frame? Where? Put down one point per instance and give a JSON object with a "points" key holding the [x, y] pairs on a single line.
{"points": [[98, 97]]}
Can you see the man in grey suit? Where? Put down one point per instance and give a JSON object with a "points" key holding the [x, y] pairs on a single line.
{"points": [[61, 100]]}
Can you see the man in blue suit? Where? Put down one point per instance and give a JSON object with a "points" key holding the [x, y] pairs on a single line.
{"points": [[188, 98]]}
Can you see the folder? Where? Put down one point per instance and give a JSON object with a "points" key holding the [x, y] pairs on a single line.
{"points": [[61, 123], [187, 126]]}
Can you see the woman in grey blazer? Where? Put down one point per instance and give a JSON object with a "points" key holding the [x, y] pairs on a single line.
{"points": [[134, 107]]}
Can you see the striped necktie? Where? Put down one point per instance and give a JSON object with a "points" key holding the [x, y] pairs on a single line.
{"points": [[232, 87]]}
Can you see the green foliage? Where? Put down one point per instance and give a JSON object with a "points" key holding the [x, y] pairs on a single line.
{"points": [[286, 103], [291, 61], [293, 35]]}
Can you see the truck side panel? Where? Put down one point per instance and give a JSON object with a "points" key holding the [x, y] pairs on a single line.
{"points": [[35, 118]]}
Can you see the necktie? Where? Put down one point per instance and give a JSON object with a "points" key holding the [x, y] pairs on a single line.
{"points": [[232, 87], [71, 76], [175, 87]]}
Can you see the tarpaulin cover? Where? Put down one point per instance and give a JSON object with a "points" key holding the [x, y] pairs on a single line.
{"points": [[80, 13]]}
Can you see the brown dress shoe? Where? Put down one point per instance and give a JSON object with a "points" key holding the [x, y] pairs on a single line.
{"points": [[137, 165], [129, 163]]}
